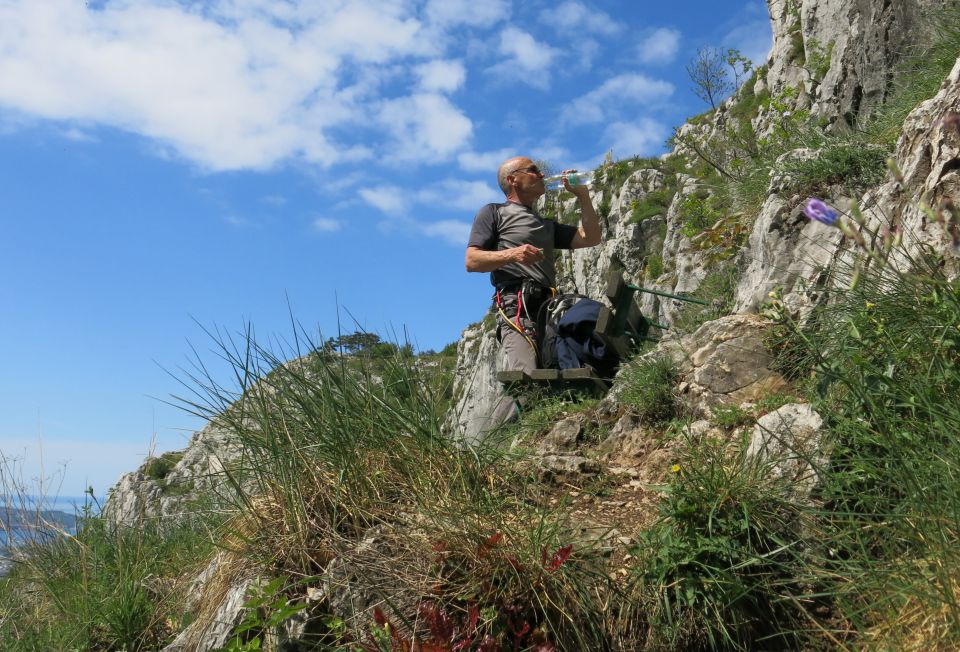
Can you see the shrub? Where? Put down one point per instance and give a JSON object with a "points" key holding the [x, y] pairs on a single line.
{"points": [[698, 212], [652, 204], [718, 288], [718, 564], [654, 267], [844, 162], [157, 468], [648, 389]]}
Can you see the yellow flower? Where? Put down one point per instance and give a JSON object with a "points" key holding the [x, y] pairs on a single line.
{"points": [[675, 468], [870, 305]]}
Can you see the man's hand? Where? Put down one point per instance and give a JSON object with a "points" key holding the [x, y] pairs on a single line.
{"points": [[526, 254], [581, 191]]}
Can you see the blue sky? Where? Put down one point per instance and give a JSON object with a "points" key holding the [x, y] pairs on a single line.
{"points": [[170, 166]]}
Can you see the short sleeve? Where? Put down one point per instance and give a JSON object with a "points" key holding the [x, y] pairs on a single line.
{"points": [[563, 235], [483, 235]]}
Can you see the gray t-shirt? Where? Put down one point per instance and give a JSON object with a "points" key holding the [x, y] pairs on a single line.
{"points": [[504, 226]]}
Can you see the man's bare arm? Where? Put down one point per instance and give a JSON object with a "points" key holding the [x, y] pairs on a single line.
{"points": [[481, 260], [588, 234]]}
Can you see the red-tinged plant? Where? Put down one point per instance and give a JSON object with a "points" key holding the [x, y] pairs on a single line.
{"points": [[559, 557], [488, 545], [438, 621], [515, 563]]}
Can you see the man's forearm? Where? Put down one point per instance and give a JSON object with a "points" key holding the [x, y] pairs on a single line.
{"points": [[589, 234], [480, 260]]}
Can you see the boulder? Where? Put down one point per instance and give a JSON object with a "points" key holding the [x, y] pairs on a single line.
{"points": [[725, 362], [789, 439]]}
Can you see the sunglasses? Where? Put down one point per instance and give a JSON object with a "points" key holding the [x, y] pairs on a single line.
{"points": [[532, 169]]}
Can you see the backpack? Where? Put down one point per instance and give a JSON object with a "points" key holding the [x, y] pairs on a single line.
{"points": [[568, 323]]}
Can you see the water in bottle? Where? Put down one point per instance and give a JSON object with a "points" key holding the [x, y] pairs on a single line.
{"points": [[575, 178]]}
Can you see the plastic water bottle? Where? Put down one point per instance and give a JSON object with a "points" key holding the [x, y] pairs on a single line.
{"points": [[575, 178]]}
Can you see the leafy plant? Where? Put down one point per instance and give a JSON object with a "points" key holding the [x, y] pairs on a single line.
{"points": [[648, 389], [717, 288], [266, 609], [718, 561]]}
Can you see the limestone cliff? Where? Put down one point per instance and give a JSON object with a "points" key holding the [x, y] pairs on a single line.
{"points": [[837, 60]]}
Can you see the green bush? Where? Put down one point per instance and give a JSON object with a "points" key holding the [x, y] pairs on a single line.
{"points": [[698, 212], [654, 267], [850, 163], [718, 565], [652, 204], [649, 389], [157, 468]]}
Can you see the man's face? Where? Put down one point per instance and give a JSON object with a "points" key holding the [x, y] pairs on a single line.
{"points": [[528, 178]]}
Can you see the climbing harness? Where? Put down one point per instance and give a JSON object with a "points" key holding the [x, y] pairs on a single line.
{"points": [[524, 299]]}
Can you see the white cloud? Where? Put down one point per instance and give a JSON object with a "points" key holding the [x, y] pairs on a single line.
{"points": [[78, 135], [455, 193], [467, 12], [424, 126], [448, 193], [643, 137], [575, 17], [441, 76], [238, 221], [234, 84], [388, 199], [453, 232], [660, 46], [528, 55], [613, 95], [484, 161], [326, 225]]}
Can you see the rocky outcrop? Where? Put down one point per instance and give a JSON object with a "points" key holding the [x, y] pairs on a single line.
{"points": [[725, 362], [841, 55], [928, 157], [789, 440], [170, 493], [479, 400]]}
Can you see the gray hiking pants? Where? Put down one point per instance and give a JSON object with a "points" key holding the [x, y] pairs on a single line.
{"points": [[518, 354]]}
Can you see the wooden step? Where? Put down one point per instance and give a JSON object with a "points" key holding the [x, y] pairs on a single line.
{"points": [[512, 377], [577, 374]]}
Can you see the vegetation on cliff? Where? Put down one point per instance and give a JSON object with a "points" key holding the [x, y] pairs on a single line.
{"points": [[356, 517]]}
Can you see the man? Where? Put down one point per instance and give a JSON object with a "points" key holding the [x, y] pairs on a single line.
{"points": [[516, 246]]}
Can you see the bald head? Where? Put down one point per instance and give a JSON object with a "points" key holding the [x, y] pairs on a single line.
{"points": [[507, 168]]}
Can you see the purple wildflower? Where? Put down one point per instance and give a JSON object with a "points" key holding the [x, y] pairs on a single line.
{"points": [[820, 212]]}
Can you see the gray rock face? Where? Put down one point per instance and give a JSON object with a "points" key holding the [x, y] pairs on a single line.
{"points": [[199, 472], [788, 254], [842, 54], [563, 436], [928, 155], [567, 469], [789, 439], [725, 362], [477, 392]]}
